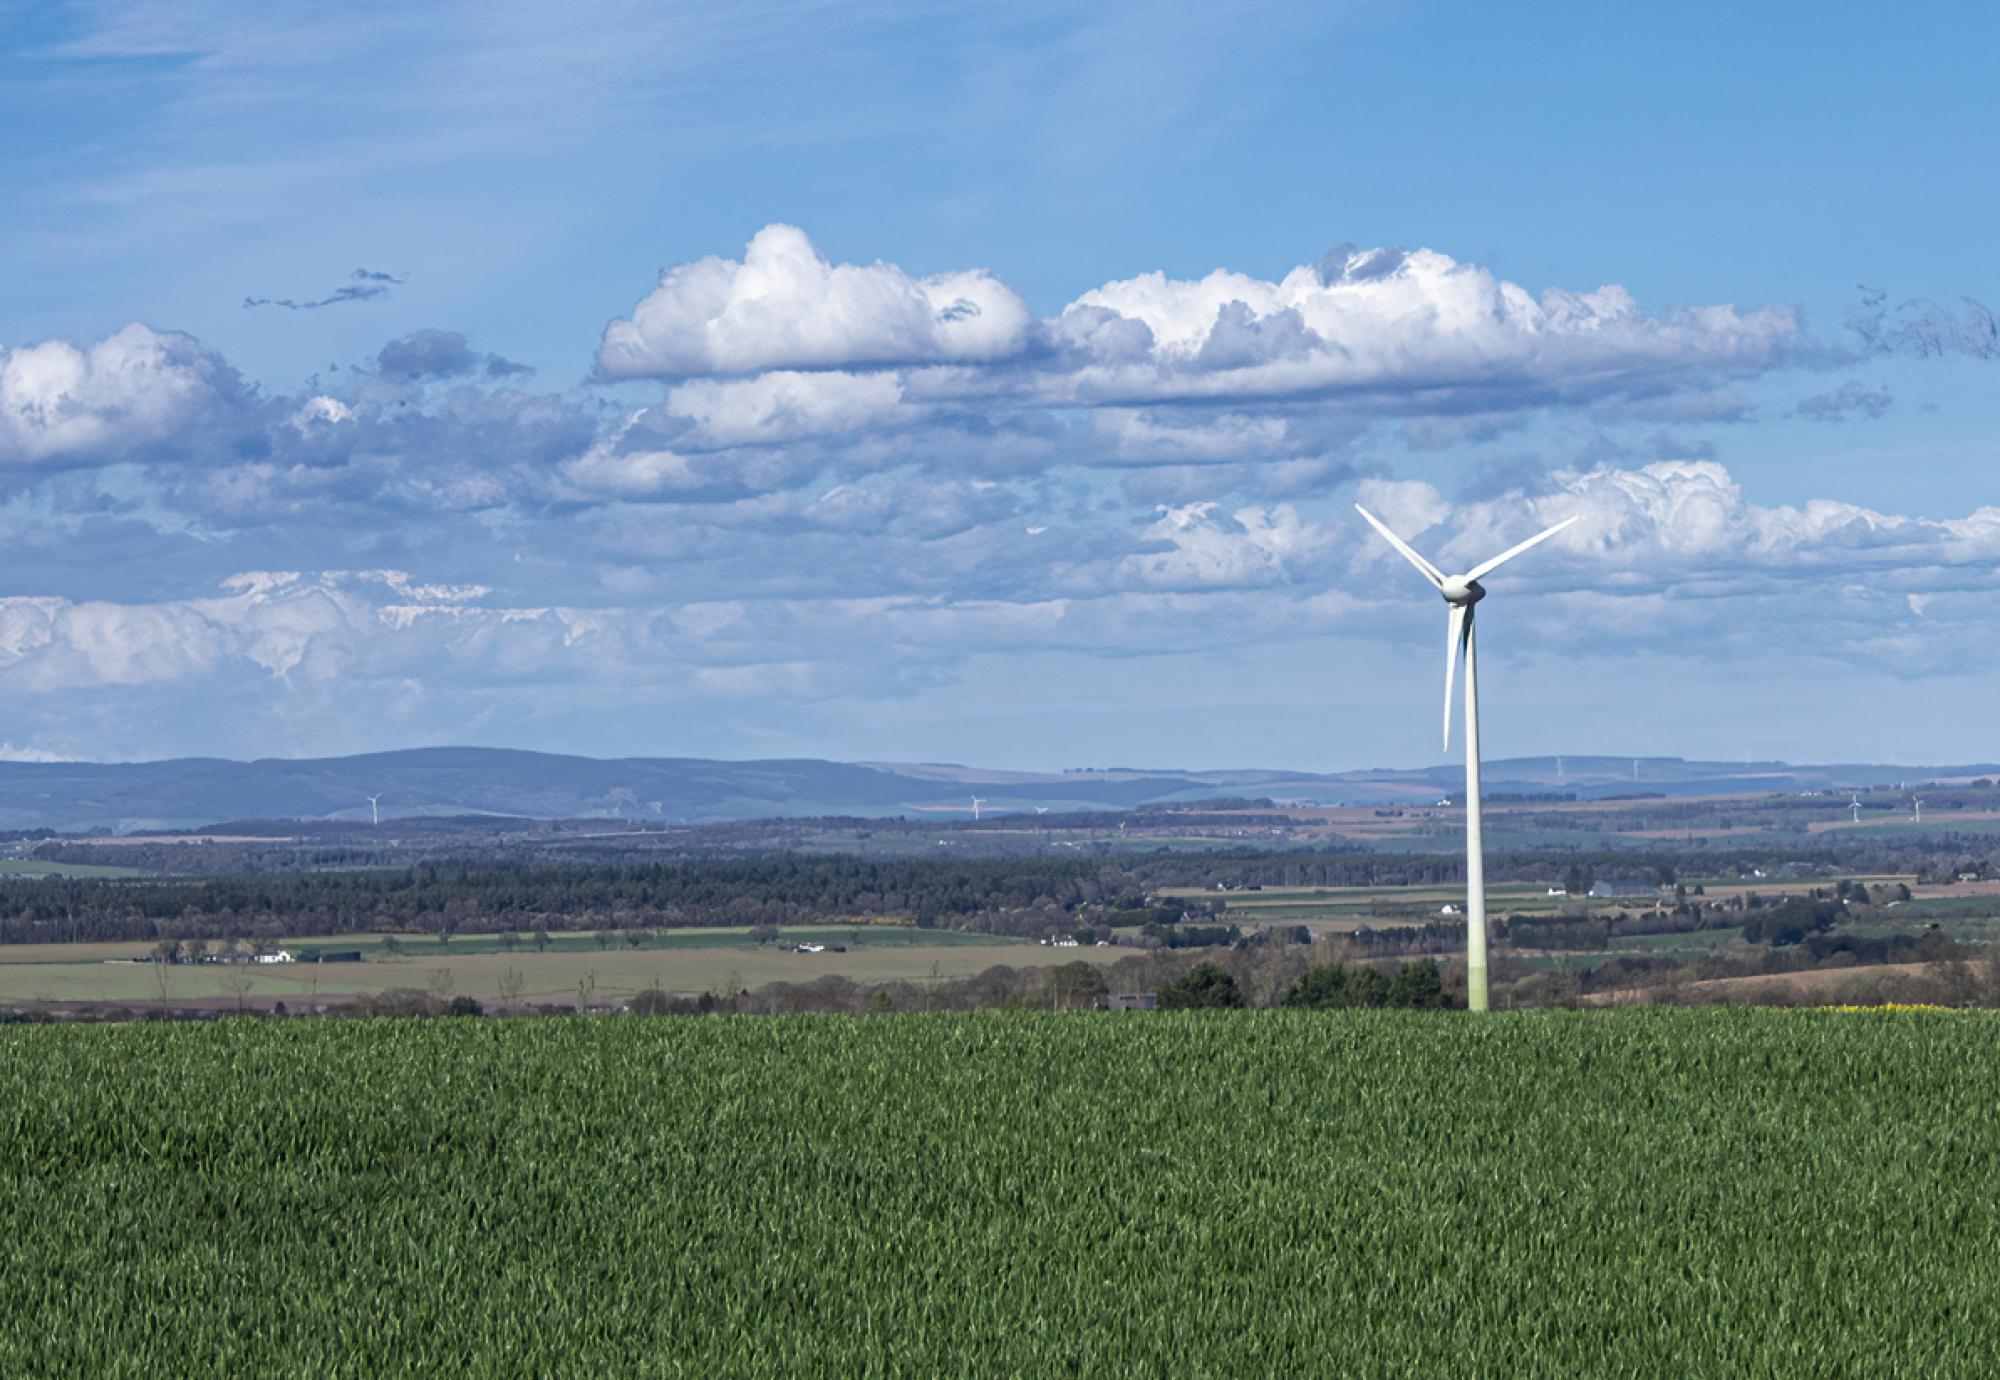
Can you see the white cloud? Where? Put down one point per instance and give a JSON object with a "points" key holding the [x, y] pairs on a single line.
{"points": [[1420, 326], [1689, 520], [1411, 333], [59, 402], [785, 307], [10, 753], [1252, 546], [282, 623], [1409, 506], [786, 405]]}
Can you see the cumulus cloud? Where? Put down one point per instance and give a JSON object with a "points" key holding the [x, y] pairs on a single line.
{"points": [[848, 479], [1441, 335], [10, 753], [139, 387], [282, 623], [783, 306], [1688, 523], [435, 354], [788, 404], [1251, 546]]}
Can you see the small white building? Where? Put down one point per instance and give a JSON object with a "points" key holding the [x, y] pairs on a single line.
{"points": [[275, 956]]}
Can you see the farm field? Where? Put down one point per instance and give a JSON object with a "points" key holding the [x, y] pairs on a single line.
{"points": [[56, 973], [36, 867], [1673, 1193], [1337, 909]]}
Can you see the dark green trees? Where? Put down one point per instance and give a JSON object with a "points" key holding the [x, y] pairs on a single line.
{"points": [[1416, 986], [1205, 985]]}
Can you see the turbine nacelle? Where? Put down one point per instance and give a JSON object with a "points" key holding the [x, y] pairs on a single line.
{"points": [[1461, 592]]}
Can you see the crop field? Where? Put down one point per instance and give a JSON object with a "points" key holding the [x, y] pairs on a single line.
{"points": [[35, 867], [688, 962], [1672, 1193], [1334, 910]]}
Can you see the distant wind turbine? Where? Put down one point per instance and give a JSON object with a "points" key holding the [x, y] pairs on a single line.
{"points": [[1041, 809], [976, 803], [1461, 593], [1917, 803], [374, 811], [1855, 805]]}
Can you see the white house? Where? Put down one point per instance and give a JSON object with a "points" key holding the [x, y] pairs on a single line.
{"points": [[275, 956]]}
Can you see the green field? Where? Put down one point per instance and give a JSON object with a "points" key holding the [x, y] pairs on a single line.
{"points": [[35, 867], [1672, 1193], [686, 961]]}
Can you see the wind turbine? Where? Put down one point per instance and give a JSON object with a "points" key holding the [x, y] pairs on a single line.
{"points": [[976, 803], [1917, 803], [1041, 809], [1461, 592], [1855, 805], [374, 810]]}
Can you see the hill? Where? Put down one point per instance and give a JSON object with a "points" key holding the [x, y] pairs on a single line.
{"points": [[183, 792]]}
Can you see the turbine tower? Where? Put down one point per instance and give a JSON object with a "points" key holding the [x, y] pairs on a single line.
{"points": [[976, 803], [1461, 592], [374, 810], [1855, 805], [1917, 804]]}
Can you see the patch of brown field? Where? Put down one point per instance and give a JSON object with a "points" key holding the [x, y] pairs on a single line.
{"points": [[1924, 893]]}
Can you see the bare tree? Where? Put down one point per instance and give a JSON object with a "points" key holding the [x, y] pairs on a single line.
{"points": [[512, 983], [237, 982]]}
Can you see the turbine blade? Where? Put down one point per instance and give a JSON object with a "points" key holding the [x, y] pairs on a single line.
{"points": [[1455, 626], [1430, 572], [1505, 556]]}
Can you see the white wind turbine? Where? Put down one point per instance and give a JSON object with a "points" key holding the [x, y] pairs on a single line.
{"points": [[1461, 592], [976, 803], [1917, 804], [1855, 805], [374, 810]]}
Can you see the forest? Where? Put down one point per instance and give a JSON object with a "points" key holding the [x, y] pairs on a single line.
{"points": [[998, 894]]}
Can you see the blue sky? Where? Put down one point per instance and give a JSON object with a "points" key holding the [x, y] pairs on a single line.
{"points": [[854, 380]]}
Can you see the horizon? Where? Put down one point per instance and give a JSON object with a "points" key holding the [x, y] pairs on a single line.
{"points": [[1442, 764], [887, 386]]}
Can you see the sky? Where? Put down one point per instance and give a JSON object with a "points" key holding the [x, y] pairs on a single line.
{"points": [[880, 382]]}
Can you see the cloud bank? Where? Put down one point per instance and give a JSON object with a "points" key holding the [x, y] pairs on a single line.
{"points": [[822, 483]]}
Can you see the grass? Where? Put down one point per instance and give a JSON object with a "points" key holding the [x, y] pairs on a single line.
{"points": [[36, 867], [1673, 1193]]}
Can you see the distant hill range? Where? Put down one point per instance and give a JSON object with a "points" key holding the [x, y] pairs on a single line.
{"points": [[180, 793]]}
